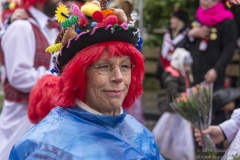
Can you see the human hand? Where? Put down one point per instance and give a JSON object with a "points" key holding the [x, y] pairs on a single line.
{"points": [[210, 76], [234, 2], [215, 133], [199, 32], [229, 107], [19, 14]]}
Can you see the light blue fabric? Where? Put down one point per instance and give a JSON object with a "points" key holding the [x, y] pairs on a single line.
{"points": [[75, 134]]}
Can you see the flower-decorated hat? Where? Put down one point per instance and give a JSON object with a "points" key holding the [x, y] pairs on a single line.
{"points": [[8, 7], [91, 24]]}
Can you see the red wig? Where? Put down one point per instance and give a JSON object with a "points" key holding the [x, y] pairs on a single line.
{"points": [[73, 80], [27, 3], [41, 96]]}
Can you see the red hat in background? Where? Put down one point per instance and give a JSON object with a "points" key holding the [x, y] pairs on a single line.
{"points": [[8, 7], [28, 3]]}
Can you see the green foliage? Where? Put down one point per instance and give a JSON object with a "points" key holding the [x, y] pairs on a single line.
{"points": [[153, 40], [236, 157], [157, 13]]}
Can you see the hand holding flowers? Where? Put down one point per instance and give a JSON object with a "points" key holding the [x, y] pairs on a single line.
{"points": [[196, 106]]}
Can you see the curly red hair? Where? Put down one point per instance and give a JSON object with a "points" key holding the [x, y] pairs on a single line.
{"points": [[41, 96], [73, 81]]}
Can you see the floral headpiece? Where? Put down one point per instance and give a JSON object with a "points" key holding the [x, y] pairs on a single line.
{"points": [[10, 4], [91, 24], [8, 7]]}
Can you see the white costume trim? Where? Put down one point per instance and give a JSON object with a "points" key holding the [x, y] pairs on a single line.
{"points": [[169, 44], [82, 105]]}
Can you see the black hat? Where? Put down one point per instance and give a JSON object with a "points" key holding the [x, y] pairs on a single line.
{"points": [[91, 24], [182, 15]]}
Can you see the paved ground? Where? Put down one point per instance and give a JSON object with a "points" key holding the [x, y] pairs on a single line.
{"points": [[149, 102]]}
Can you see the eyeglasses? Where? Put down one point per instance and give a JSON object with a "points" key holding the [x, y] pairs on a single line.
{"points": [[107, 68]]}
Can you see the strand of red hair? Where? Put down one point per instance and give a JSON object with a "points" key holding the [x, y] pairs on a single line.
{"points": [[40, 98]]}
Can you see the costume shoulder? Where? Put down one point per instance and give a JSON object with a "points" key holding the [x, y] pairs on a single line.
{"points": [[46, 139], [18, 28], [228, 23], [170, 77], [141, 136], [20, 24], [167, 35], [137, 127]]}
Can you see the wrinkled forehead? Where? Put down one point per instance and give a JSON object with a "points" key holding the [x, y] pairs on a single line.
{"points": [[106, 56]]}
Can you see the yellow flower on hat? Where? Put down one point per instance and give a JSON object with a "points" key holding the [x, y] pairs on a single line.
{"points": [[12, 5], [62, 13]]}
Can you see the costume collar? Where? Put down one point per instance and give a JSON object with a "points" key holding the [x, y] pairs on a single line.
{"points": [[82, 105], [39, 16], [103, 119]]}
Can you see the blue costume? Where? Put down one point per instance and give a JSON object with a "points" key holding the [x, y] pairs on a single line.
{"points": [[73, 133]]}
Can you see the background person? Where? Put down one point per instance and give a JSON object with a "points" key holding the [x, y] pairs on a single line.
{"points": [[25, 60]]}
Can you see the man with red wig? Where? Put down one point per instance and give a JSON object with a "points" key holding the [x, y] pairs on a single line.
{"points": [[100, 76], [25, 59]]}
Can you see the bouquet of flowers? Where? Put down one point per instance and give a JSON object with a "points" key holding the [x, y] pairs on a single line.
{"points": [[195, 105]]}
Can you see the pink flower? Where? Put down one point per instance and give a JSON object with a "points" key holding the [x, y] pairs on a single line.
{"points": [[82, 22]]}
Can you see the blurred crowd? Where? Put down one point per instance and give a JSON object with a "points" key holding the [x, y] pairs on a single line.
{"points": [[192, 51], [202, 49]]}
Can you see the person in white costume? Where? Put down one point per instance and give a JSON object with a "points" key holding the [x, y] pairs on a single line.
{"points": [[24, 44], [10, 12]]}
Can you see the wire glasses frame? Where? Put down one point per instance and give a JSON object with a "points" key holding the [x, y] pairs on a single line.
{"points": [[107, 68]]}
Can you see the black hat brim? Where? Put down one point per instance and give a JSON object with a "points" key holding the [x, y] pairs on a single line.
{"points": [[100, 35]]}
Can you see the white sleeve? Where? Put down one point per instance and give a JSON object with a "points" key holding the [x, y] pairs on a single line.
{"points": [[231, 126], [19, 50]]}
